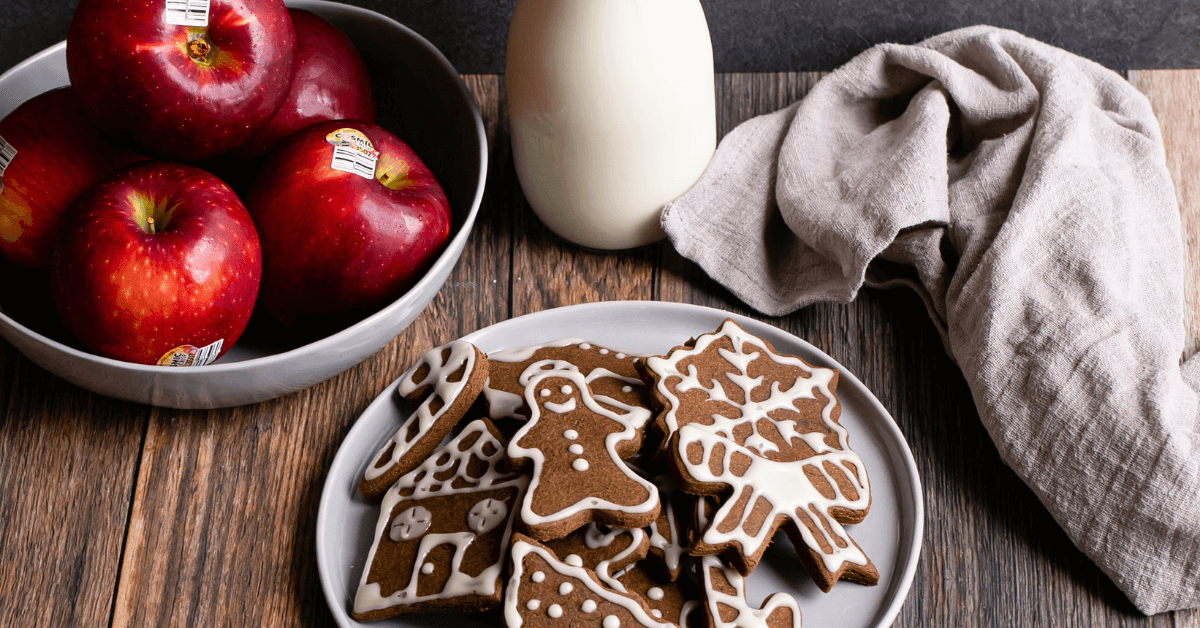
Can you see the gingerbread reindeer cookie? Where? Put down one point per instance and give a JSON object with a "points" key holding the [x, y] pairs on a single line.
{"points": [[448, 378], [443, 531], [611, 376], [575, 447], [761, 430]]}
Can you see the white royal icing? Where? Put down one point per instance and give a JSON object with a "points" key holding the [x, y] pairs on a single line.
{"points": [[555, 611], [672, 549], [421, 483], [565, 588], [575, 448], [746, 617], [410, 524], [516, 451], [581, 579], [487, 515], [461, 353], [782, 484]]}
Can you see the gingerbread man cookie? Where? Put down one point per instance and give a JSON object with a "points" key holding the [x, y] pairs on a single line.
{"points": [[604, 551], [761, 430], [575, 447], [449, 378], [545, 592], [443, 531], [611, 375]]}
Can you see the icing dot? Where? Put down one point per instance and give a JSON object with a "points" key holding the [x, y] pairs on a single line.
{"points": [[620, 356], [575, 449], [604, 352], [533, 605], [580, 464], [626, 389], [656, 612], [545, 392], [585, 346], [611, 621], [566, 390], [537, 576], [565, 588], [570, 434], [655, 593], [554, 611], [427, 568], [588, 606], [574, 560]]}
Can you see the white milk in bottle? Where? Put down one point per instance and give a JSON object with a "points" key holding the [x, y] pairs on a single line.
{"points": [[611, 110]]}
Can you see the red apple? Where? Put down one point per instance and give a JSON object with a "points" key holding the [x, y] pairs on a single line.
{"points": [[336, 241], [156, 262], [187, 92], [55, 154], [331, 83]]}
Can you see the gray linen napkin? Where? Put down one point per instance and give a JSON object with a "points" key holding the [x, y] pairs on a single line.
{"points": [[1023, 192]]}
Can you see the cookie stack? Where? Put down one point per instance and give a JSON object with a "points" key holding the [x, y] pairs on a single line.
{"points": [[588, 487]]}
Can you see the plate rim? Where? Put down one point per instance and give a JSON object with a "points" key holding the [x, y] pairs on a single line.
{"points": [[910, 553]]}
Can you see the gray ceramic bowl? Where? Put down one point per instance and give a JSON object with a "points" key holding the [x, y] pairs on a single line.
{"points": [[422, 100]]}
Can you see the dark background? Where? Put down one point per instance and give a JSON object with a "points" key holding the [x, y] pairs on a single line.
{"points": [[766, 35]]}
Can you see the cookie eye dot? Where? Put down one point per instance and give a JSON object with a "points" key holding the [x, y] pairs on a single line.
{"points": [[566, 390], [545, 392]]}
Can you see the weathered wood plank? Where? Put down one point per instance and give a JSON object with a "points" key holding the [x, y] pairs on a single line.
{"points": [[1175, 97], [223, 523], [67, 465]]}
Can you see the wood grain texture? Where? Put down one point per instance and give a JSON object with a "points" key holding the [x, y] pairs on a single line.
{"points": [[67, 462], [154, 517], [1175, 97]]}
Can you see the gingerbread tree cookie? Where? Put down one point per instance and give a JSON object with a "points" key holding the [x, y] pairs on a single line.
{"points": [[761, 430], [575, 447], [448, 378], [545, 592], [611, 376], [443, 531]]}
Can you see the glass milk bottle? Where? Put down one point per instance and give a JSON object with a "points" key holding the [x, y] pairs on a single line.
{"points": [[612, 112]]}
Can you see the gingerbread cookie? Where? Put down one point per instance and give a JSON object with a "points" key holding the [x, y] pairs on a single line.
{"points": [[604, 551], [668, 533], [611, 375], [546, 592], [761, 430], [449, 378], [576, 447], [443, 530], [669, 601], [725, 601]]}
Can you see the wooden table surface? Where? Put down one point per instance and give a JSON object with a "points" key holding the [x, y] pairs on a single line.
{"points": [[117, 514]]}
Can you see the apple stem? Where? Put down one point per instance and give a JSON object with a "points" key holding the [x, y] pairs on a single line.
{"points": [[198, 49], [150, 224]]}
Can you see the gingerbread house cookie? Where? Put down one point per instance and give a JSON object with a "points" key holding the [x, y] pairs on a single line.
{"points": [[443, 531]]}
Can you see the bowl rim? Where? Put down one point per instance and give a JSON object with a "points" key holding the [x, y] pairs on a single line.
{"points": [[447, 256]]}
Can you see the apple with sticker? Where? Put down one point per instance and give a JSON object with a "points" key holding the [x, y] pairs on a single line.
{"points": [[157, 263], [49, 154], [188, 79], [350, 217], [331, 83]]}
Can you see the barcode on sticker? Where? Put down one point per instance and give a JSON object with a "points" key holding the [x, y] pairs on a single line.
{"points": [[350, 159], [205, 355], [186, 12], [7, 152]]}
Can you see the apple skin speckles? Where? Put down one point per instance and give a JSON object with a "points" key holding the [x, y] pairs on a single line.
{"points": [[132, 295]]}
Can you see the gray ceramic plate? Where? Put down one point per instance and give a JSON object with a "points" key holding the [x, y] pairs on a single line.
{"points": [[890, 535], [422, 100]]}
